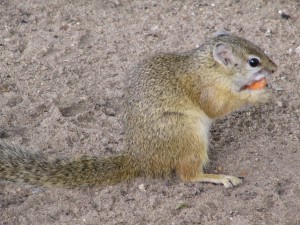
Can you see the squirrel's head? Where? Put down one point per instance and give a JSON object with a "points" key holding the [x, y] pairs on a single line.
{"points": [[244, 62]]}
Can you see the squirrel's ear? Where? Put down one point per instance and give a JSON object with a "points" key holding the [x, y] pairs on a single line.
{"points": [[223, 54]]}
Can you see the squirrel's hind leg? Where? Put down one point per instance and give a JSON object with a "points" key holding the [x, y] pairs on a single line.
{"points": [[192, 171], [227, 180]]}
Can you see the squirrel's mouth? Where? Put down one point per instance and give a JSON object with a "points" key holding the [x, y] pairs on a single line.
{"points": [[258, 82], [256, 85]]}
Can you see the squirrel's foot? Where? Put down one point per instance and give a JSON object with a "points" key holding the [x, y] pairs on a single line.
{"points": [[226, 180]]}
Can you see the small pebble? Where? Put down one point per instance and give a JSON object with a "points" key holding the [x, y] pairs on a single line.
{"points": [[297, 50], [290, 51], [142, 187], [268, 33], [284, 15]]}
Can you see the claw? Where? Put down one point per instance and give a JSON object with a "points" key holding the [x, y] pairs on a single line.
{"points": [[231, 181]]}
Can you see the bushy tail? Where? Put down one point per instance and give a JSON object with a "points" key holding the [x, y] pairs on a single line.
{"points": [[21, 165]]}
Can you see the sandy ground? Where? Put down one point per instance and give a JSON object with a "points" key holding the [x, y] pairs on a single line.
{"points": [[62, 68]]}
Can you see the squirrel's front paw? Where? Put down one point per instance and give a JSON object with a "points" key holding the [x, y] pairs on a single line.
{"points": [[258, 96], [263, 97]]}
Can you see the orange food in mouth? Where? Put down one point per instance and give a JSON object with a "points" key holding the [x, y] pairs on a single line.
{"points": [[257, 85]]}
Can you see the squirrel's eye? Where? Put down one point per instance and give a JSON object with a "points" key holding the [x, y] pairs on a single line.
{"points": [[253, 62]]}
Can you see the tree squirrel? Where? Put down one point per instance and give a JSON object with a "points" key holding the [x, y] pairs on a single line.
{"points": [[171, 101]]}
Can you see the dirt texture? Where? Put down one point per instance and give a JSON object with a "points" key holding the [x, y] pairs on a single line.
{"points": [[63, 65]]}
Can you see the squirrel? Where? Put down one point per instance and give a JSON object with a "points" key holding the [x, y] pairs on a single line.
{"points": [[170, 102]]}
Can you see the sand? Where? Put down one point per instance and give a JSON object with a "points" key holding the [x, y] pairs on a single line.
{"points": [[62, 68]]}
